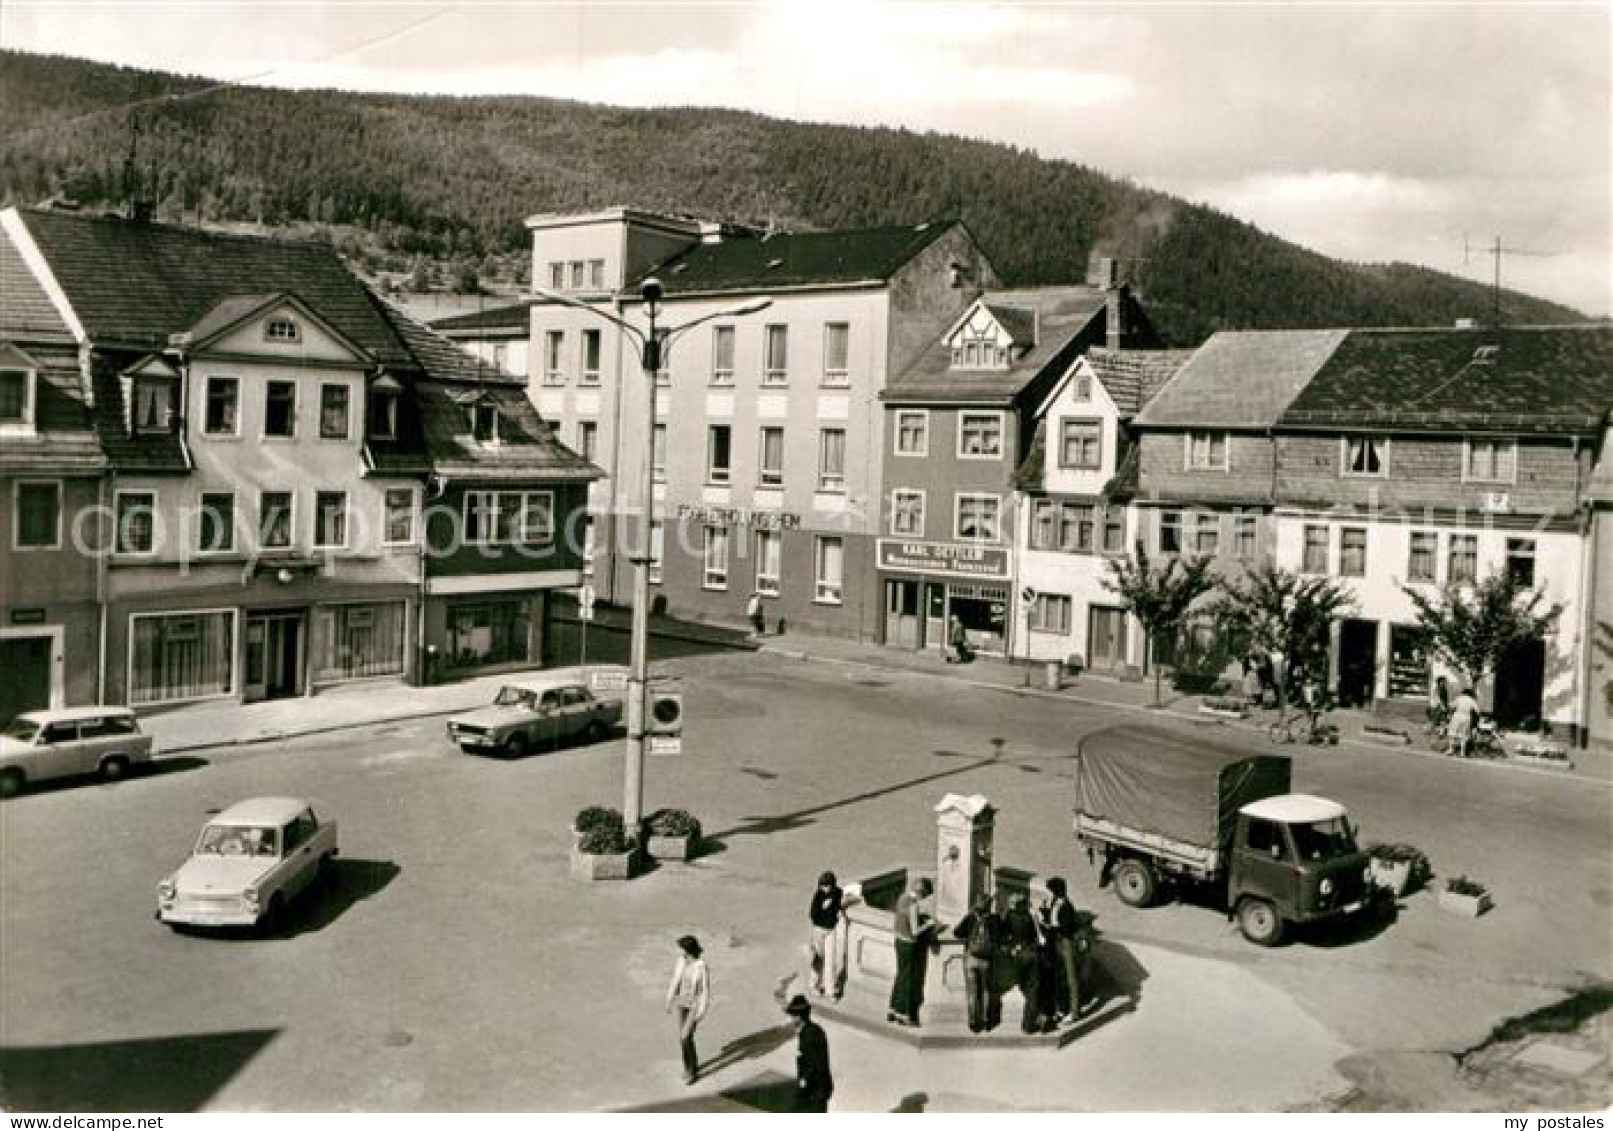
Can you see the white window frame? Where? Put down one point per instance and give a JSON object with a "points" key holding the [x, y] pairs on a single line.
{"points": [[923, 415], [719, 476], [1180, 526], [779, 376], [1366, 541], [722, 376], [1411, 556], [1190, 460], [763, 472], [1364, 437], [770, 583], [30, 391], [207, 405], [291, 520], [578, 274], [138, 428], [1093, 422], [273, 326], [1528, 549], [347, 409], [487, 533], [897, 495], [1002, 434], [1450, 559], [957, 518], [1240, 524], [557, 275], [1305, 546], [588, 439], [1036, 619], [201, 527], [1467, 459], [16, 513], [825, 591], [554, 354], [319, 512], [585, 375], [374, 398], [1206, 523], [836, 378], [831, 483], [276, 436], [596, 274], [386, 515], [714, 576], [117, 522]]}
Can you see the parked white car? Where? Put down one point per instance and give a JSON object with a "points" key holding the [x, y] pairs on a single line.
{"points": [[67, 742], [540, 712], [249, 863]]}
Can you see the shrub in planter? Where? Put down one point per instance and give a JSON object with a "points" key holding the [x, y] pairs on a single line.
{"points": [[674, 834], [595, 817], [605, 840], [602, 851], [1465, 897], [1398, 868]]}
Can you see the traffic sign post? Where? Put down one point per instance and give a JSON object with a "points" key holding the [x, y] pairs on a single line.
{"points": [[585, 613], [665, 743]]}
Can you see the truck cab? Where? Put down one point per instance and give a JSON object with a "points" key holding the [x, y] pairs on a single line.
{"points": [[1294, 860]]}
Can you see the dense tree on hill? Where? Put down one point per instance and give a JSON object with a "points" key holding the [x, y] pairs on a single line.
{"points": [[451, 179]]}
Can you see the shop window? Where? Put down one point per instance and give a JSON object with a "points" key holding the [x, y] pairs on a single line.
{"points": [[180, 656], [769, 562], [493, 632], [359, 641], [714, 550]]}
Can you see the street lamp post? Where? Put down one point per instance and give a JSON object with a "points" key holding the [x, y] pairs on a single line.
{"points": [[655, 347]]}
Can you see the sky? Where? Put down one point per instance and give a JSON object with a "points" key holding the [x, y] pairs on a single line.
{"points": [[1378, 132]]}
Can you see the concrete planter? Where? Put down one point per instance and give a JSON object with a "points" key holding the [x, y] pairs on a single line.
{"points": [[603, 865], [1222, 712], [1467, 906], [673, 847]]}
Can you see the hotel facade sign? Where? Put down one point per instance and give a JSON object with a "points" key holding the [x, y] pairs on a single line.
{"points": [[951, 558]]}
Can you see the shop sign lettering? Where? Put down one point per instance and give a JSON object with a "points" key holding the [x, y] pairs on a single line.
{"points": [[954, 558]]}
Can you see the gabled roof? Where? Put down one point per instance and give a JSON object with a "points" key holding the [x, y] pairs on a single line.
{"points": [[1555, 380], [515, 318], [1018, 321], [1132, 377], [132, 284], [26, 311], [1241, 379], [526, 449], [795, 259], [1062, 314], [238, 309]]}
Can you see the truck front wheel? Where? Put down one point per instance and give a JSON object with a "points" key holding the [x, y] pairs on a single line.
{"points": [[1260, 923], [1135, 883]]}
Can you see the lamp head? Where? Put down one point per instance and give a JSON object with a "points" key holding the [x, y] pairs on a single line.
{"points": [[651, 289]]}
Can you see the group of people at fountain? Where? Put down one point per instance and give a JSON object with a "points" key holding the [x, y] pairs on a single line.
{"points": [[1043, 954]]}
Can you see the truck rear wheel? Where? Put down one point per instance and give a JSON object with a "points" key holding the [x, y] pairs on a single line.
{"points": [[1135, 883], [1260, 923]]}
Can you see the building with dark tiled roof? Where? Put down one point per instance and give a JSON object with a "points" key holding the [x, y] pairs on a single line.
{"points": [[51, 469], [766, 441], [1387, 459], [304, 486], [959, 422]]}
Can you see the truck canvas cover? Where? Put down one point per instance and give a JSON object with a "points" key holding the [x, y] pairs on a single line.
{"points": [[1181, 786]]}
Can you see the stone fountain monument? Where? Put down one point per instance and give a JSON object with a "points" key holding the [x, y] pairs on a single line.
{"points": [[963, 868]]}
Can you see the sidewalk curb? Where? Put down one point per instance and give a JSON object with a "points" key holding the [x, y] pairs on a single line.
{"points": [[282, 735], [1158, 712]]}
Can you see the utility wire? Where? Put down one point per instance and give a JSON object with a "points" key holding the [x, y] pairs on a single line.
{"points": [[245, 80]]}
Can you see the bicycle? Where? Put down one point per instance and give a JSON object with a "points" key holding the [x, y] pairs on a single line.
{"points": [[1296, 726]]}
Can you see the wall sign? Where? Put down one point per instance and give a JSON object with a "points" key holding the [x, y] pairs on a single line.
{"points": [[739, 516], [953, 558]]}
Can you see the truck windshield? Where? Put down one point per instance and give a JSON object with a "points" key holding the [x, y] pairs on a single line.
{"points": [[1321, 840]]}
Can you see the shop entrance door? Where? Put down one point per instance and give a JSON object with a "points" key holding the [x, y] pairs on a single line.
{"points": [[1358, 662], [274, 655], [1520, 684], [902, 614], [935, 615]]}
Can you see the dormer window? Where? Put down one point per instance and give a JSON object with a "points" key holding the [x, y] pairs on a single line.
{"points": [[153, 409], [16, 399], [484, 423], [383, 409], [281, 329], [979, 349]]}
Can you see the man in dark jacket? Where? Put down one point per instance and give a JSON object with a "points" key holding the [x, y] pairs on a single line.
{"points": [[814, 1083], [828, 900], [981, 932], [1024, 945]]}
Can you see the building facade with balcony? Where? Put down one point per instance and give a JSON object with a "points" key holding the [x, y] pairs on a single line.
{"points": [[767, 438]]}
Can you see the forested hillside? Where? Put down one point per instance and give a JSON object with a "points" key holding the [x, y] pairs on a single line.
{"points": [[440, 186]]}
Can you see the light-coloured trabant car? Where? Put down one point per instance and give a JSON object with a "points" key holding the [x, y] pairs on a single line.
{"points": [[40, 745], [249, 863], [541, 712]]}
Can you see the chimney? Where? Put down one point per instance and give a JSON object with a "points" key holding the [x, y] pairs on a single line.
{"points": [[1114, 317], [1103, 272]]}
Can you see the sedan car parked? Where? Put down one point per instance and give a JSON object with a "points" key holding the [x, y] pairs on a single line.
{"points": [[542, 712], [67, 742], [249, 863]]}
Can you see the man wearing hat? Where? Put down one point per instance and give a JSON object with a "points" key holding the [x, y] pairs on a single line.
{"points": [[814, 1083], [827, 902]]}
